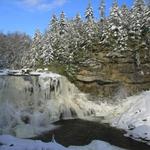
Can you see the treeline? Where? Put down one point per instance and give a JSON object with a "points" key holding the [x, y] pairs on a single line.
{"points": [[73, 41], [13, 47]]}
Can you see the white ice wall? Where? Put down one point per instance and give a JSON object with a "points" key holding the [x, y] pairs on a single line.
{"points": [[28, 104]]}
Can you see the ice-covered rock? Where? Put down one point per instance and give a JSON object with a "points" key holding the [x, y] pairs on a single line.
{"points": [[135, 117], [30, 103]]}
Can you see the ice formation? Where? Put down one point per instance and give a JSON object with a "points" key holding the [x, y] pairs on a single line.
{"points": [[30, 103]]}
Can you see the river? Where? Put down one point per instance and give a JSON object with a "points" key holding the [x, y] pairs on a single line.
{"points": [[82, 132]]}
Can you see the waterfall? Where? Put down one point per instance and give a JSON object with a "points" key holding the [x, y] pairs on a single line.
{"points": [[30, 103]]}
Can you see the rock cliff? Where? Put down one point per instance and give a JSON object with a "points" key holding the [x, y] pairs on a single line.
{"points": [[110, 76]]}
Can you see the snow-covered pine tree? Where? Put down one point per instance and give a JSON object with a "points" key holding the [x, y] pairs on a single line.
{"points": [[53, 35], [90, 28], [125, 21], [125, 15], [89, 14], [62, 23], [46, 52], [76, 37], [117, 33], [135, 32], [46, 56], [78, 23], [146, 31], [63, 41], [103, 34], [33, 56], [54, 24], [137, 14]]}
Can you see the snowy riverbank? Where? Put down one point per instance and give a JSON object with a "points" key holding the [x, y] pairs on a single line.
{"points": [[135, 117], [11, 143]]}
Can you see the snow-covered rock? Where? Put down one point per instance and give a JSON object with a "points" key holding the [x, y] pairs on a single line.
{"points": [[135, 118]]}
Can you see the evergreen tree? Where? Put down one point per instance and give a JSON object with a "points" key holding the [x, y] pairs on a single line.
{"points": [[135, 32], [33, 56], [146, 32], [137, 14], [76, 38], [47, 53], [89, 14], [78, 22], [54, 24], [90, 27], [53, 35], [63, 24], [125, 16], [118, 34], [62, 49]]}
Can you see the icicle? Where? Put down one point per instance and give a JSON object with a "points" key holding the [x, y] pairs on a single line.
{"points": [[53, 139]]}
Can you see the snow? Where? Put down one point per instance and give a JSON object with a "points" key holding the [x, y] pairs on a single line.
{"points": [[49, 74], [39, 72], [31, 102], [140, 133], [3, 72], [96, 145], [135, 118], [11, 143]]}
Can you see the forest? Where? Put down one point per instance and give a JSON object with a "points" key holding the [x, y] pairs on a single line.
{"points": [[72, 42]]}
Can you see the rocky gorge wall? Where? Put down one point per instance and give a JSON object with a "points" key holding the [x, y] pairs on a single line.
{"points": [[122, 75]]}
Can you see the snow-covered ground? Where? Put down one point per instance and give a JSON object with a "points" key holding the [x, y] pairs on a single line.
{"points": [[135, 117], [11, 143]]}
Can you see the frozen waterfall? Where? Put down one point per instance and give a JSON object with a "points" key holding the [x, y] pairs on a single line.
{"points": [[30, 103]]}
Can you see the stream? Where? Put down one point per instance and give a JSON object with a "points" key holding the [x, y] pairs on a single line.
{"points": [[82, 132]]}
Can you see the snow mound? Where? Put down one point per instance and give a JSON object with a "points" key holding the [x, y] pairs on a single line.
{"points": [[11, 143], [136, 117], [96, 145], [141, 133]]}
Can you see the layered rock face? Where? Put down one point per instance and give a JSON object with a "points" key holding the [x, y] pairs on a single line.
{"points": [[119, 76]]}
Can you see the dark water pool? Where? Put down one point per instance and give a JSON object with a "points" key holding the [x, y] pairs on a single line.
{"points": [[81, 132]]}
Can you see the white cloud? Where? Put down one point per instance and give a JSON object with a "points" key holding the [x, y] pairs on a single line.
{"points": [[42, 4]]}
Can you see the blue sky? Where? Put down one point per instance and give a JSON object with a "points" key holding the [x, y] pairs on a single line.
{"points": [[28, 15]]}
